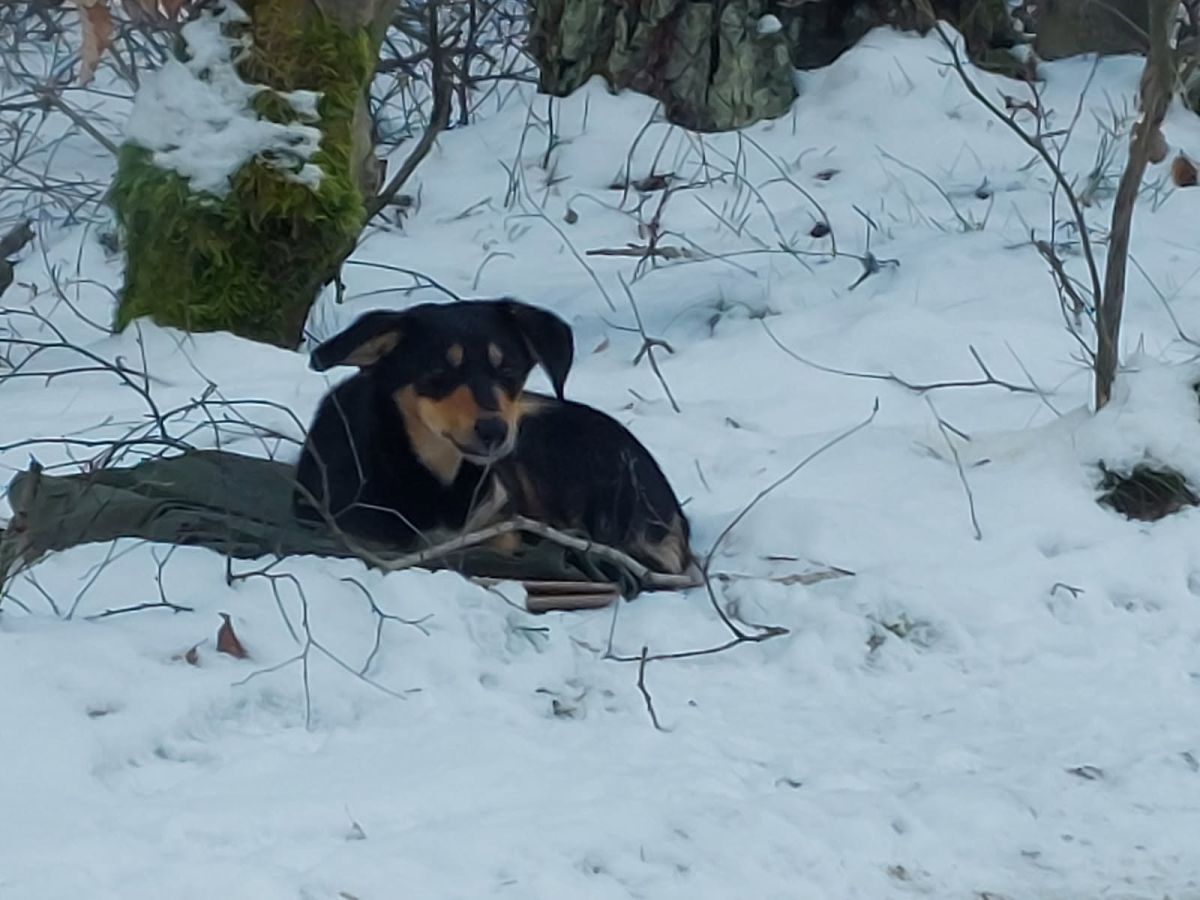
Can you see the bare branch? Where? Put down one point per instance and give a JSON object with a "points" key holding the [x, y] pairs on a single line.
{"points": [[648, 346], [439, 120], [989, 380], [641, 683], [1158, 84], [946, 428], [1035, 142]]}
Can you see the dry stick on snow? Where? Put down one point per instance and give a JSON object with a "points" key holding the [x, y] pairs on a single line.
{"points": [[916, 387], [966, 224], [641, 683], [381, 619], [648, 345], [1066, 289], [161, 603], [1165, 302], [539, 213], [1157, 88], [770, 631], [273, 579], [871, 264], [420, 279], [309, 644], [388, 563], [1035, 142], [51, 97], [946, 429], [1042, 395], [640, 252], [1061, 149], [160, 421], [806, 194], [653, 230], [116, 366], [783, 479], [739, 636], [158, 429], [664, 580], [32, 581]]}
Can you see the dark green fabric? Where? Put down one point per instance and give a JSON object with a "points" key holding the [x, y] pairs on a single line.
{"points": [[240, 506]]}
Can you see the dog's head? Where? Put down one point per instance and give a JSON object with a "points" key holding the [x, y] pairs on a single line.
{"points": [[455, 371]]}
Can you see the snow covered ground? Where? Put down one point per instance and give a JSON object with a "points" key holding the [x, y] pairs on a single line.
{"points": [[1012, 715]]}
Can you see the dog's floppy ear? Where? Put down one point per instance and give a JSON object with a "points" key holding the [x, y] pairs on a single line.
{"points": [[368, 340], [549, 339]]}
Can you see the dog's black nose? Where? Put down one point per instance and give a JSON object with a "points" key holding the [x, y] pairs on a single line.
{"points": [[491, 432]]}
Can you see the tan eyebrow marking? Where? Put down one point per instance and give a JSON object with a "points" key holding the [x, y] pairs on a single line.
{"points": [[454, 355], [495, 355]]}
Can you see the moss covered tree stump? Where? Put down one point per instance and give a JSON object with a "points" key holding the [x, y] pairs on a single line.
{"points": [[247, 251]]}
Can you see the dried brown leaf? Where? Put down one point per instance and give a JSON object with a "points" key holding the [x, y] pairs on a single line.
{"points": [[191, 656], [97, 26], [1183, 171], [227, 640]]}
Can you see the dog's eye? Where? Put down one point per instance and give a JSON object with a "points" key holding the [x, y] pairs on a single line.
{"points": [[436, 382]]}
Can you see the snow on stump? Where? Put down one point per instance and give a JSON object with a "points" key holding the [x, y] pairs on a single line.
{"points": [[1145, 440]]}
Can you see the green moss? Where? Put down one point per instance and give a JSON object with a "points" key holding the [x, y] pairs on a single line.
{"points": [[251, 262], [274, 107]]}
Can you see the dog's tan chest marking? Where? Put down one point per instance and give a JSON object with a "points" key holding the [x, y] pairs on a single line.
{"points": [[436, 453]]}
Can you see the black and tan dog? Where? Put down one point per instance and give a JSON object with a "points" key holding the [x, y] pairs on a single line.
{"points": [[436, 433]]}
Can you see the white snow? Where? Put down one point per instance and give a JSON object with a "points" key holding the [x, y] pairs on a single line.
{"points": [[196, 115], [769, 24], [1013, 716]]}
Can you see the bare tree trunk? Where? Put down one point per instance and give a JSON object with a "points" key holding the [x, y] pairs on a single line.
{"points": [[252, 261], [1158, 82]]}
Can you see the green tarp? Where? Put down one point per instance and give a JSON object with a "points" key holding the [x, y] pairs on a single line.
{"points": [[241, 507]]}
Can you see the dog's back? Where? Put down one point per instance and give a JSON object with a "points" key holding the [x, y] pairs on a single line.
{"points": [[577, 468]]}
